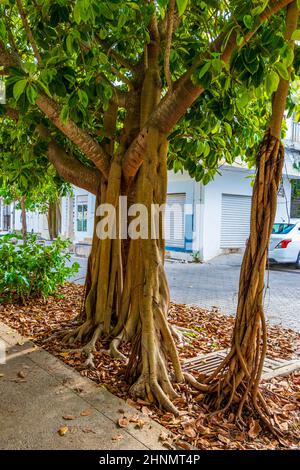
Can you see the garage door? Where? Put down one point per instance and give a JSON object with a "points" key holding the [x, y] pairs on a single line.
{"points": [[175, 220], [235, 224]]}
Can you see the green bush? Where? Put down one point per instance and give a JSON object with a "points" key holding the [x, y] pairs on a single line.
{"points": [[32, 269]]}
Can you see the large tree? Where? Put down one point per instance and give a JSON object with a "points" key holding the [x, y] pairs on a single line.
{"points": [[108, 85], [237, 378], [27, 177]]}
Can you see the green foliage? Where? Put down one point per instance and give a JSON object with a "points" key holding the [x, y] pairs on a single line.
{"points": [[32, 269], [25, 169], [80, 44], [181, 5]]}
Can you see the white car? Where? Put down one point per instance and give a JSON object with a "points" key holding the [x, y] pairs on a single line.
{"points": [[284, 244]]}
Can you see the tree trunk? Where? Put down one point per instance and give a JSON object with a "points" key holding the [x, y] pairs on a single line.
{"points": [[24, 221], [237, 379], [127, 295], [54, 220]]}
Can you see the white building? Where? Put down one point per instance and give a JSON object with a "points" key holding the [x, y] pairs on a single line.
{"points": [[11, 220]]}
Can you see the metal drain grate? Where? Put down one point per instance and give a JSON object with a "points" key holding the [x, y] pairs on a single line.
{"points": [[207, 363]]}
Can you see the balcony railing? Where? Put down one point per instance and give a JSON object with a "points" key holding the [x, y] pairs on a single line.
{"points": [[296, 132]]}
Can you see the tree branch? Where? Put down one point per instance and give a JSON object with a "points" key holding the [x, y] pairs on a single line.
{"points": [[280, 95], [84, 141], [28, 31], [174, 105], [68, 167], [118, 58], [170, 23], [72, 170]]}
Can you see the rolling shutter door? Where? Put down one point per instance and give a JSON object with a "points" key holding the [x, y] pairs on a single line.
{"points": [[174, 221], [235, 223]]}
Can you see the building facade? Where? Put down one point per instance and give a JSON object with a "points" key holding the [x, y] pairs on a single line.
{"points": [[208, 220]]}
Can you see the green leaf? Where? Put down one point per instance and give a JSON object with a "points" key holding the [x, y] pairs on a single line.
{"points": [[228, 129], [69, 43], [259, 9], [19, 88], [31, 94], [2, 30], [282, 70], [103, 58], [217, 65], [181, 5], [206, 149], [248, 21], [83, 98], [288, 57], [296, 35], [64, 114], [239, 39], [122, 20], [77, 13], [199, 148], [45, 88], [272, 82], [204, 69]]}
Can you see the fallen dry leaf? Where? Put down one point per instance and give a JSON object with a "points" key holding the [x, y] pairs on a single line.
{"points": [[210, 330], [123, 422], [163, 436], [64, 354], [86, 413], [88, 430], [131, 402], [21, 374], [190, 431], [69, 417], [254, 429], [140, 423], [118, 437], [183, 445], [146, 411], [63, 430], [223, 439]]}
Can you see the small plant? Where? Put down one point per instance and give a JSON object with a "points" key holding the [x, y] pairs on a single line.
{"points": [[196, 257], [31, 269]]}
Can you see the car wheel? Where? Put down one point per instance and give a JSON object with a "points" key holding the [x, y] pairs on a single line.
{"points": [[298, 262]]}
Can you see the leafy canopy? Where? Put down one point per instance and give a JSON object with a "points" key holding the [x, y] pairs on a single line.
{"points": [[88, 53]]}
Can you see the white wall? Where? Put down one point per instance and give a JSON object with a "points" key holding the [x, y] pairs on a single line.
{"points": [[284, 202], [232, 181], [36, 223], [238, 182]]}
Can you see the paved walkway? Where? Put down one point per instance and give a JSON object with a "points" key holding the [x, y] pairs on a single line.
{"points": [[216, 284], [37, 390]]}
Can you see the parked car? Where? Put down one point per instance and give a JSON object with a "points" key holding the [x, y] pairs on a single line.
{"points": [[284, 244]]}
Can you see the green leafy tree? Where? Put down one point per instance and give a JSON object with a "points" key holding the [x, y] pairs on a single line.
{"points": [[237, 379], [109, 86], [27, 176]]}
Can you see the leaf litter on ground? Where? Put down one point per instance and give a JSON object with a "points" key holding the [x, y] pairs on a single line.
{"points": [[202, 331]]}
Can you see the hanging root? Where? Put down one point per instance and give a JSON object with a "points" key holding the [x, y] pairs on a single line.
{"points": [[236, 380]]}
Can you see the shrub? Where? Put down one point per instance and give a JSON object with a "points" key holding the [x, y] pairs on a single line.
{"points": [[32, 269]]}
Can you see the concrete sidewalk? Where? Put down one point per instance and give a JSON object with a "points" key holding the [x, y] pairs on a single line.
{"points": [[37, 390]]}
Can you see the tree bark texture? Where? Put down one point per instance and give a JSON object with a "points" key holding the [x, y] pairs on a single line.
{"points": [[236, 380]]}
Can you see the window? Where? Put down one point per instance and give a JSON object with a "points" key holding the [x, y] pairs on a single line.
{"points": [[295, 200], [282, 228], [6, 218], [82, 208]]}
